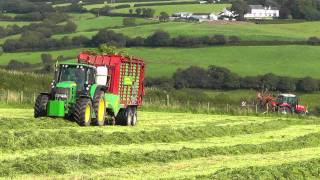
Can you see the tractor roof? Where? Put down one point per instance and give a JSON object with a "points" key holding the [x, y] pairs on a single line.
{"points": [[287, 95], [75, 64]]}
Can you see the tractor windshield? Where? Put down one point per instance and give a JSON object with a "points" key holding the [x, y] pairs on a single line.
{"points": [[79, 74], [284, 99], [72, 73]]}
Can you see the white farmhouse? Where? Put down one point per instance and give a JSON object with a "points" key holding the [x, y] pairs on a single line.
{"points": [[260, 12], [201, 17]]}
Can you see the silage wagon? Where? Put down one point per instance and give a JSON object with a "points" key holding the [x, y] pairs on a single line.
{"points": [[94, 88]]}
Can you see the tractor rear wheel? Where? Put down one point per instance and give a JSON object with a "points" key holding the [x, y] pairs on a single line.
{"points": [[127, 116], [82, 111], [99, 106], [40, 107], [285, 110]]}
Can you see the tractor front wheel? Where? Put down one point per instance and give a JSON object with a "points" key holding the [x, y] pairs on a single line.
{"points": [[285, 110], [82, 111], [40, 107], [99, 106]]}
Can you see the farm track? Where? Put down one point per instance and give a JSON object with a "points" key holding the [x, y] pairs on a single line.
{"points": [[175, 145]]}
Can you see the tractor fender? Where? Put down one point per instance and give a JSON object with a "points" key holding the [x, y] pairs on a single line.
{"points": [[300, 108], [284, 105], [45, 93]]}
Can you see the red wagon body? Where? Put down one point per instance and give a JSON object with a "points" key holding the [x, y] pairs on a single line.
{"points": [[126, 75]]}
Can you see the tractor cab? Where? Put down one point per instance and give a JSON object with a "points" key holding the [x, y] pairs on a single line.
{"points": [[289, 99], [289, 103], [74, 76]]}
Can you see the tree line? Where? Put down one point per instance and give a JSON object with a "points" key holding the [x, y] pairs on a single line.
{"points": [[40, 39], [220, 78]]}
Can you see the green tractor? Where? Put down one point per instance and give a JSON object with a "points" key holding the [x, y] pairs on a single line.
{"points": [[88, 94]]}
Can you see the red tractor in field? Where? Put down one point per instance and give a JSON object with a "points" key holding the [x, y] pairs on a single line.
{"points": [[287, 104], [283, 103]]}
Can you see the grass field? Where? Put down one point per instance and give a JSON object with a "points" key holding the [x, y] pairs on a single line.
{"points": [[35, 57], [93, 6], [246, 31], [18, 23], [244, 60], [166, 145], [170, 9]]}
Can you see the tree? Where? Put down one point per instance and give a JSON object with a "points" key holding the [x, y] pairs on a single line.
{"points": [[148, 12], [286, 84], [70, 27], [192, 77], [131, 11], [109, 37], [129, 21], [46, 58], [269, 81], [163, 17], [138, 11], [159, 38], [308, 85], [240, 7]]}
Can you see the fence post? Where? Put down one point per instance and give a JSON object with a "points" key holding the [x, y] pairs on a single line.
{"points": [[227, 108], [21, 97], [267, 109], [34, 97], [256, 108], [8, 93], [208, 107], [168, 100]]}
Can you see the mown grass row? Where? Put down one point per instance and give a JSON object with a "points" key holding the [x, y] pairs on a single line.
{"points": [[309, 169], [30, 139], [62, 164]]}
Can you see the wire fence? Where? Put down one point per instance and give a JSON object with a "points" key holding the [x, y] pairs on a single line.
{"points": [[19, 97], [167, 104]]}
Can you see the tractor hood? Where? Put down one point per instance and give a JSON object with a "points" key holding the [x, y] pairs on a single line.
{"points": [[66, 84]]}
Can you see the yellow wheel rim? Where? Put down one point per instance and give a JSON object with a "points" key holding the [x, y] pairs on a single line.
{"points": [[101, 110], [87, 113]]}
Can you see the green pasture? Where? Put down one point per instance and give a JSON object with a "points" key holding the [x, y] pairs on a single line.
{"points": [[10, 23], [170, 9], [167, 145], [94, 6], [35, 57], [244, 30], [295, 61]]}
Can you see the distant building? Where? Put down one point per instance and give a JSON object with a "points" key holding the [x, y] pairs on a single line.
{"points": [[226, 13], [201, 17], [260, 12], [183, 15]]}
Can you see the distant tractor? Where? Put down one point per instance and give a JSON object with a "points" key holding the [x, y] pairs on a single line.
{"points": [[96, 87], [289, 103]]}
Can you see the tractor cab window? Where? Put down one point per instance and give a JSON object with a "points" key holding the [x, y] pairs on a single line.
{"points": [[73, 73], [91, 75]]}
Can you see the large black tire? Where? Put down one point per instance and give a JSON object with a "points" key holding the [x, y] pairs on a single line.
{"points": [[98, 101], [285, 111], [80, 114], [127, 116], [40, 107]]}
